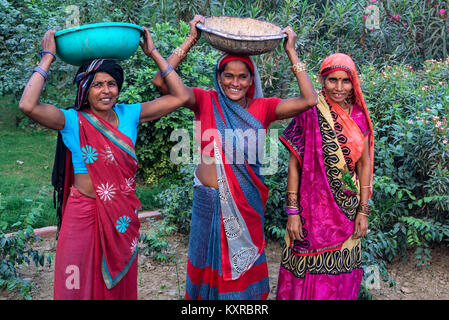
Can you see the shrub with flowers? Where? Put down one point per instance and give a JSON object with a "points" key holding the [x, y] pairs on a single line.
{"points": [[410, 112]]}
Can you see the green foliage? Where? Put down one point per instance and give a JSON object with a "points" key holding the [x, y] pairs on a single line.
{"points": [[155, 241], [16, 250], [177, 200], [410, 203], [409, 108], [154, 143]]}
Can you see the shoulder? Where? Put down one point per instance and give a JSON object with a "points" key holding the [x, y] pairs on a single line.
{"points": [[202, 98], [70, 112], [70, 118], [127, 108], [199, 92], [358, 115], [128, 111], [267, 101]]}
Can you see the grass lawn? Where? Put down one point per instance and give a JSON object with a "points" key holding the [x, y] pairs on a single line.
{"points": [[26, 162]]}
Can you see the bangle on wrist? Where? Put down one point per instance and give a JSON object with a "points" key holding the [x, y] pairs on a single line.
{"points": [[291, 211], [180, 53], [49, 52], [151, 51], [364, 208], [167, 71], [363, 214], [298, 67], [42, 72]]}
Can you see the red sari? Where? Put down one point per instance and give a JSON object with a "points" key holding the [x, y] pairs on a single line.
{"points": [[96, 255]]}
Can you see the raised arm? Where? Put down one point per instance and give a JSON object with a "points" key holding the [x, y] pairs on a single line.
{"points": [[178, 55], [45, 114], [177, 94], [288, 108]]}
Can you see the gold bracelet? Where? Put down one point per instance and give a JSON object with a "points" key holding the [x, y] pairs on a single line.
{"points": [[294, 192], [363, 214], [298, 67], [180, 53], [192, 41], [362, 187]]}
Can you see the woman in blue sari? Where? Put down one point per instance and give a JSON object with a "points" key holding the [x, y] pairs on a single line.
{"points": [[226, 258]]}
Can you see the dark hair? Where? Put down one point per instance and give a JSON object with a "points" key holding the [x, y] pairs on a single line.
{"points": [[86, 74], [223, 67]]}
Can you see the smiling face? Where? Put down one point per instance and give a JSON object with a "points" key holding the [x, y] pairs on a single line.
{"points": [[103, 92], [338, 86], [235, 81]]}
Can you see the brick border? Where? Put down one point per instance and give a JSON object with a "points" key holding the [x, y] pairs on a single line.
{"points": [[48, 232]]}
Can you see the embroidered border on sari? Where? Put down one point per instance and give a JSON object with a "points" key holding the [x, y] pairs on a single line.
{"points": [[109, 282], [344, 259], [109, 134], [335, 164], [116, 201]]}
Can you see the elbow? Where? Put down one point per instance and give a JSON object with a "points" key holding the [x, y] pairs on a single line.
{"points": [[156, 82], [185, 98], [25, 107], [313, 100]]}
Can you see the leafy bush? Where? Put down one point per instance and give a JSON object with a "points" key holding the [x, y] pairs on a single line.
{"points": [[16, 250], [155, 242], [410, 203], [153, 143], [409, 108]]}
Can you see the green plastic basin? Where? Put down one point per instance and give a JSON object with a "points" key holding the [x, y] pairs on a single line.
{"points": [[108, 40]]}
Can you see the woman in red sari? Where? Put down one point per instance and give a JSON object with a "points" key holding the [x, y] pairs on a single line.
{"points": [[226, 257], [329, 184], [96, 254]]}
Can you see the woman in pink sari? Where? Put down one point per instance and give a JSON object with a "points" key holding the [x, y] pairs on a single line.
{"points": [[328, 187], [96, 254]]}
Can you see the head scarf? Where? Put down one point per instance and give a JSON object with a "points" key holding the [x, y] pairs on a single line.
{"points": [[86, 75], [340, 61], [255, 90]]}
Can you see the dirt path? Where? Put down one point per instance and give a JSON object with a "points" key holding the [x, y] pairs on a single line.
{"points": [[166, 281]]}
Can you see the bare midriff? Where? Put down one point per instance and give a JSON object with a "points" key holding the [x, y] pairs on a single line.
{"points": [[83, 184], [206, 172]]}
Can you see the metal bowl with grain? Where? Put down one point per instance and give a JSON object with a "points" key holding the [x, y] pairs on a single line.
{"points": [[241, 35]]}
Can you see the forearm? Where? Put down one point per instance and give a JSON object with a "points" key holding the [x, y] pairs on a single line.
{"points": [[175, 59], [33, 89], [173, 82], [293, 178], [306, 89], [292, 181], [363, 168], [364, 175], [288, 108]]}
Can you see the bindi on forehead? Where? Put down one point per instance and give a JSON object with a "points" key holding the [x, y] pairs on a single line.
{"points": [[339, 75]]}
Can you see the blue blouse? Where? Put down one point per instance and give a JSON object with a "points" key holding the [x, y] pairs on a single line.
{"points": [[128, 118]]}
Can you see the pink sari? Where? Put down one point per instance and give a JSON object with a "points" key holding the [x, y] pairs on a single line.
{"points": [[97, 247], [327, 142]]}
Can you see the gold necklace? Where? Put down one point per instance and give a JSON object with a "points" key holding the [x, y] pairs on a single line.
{"points": [[116, 117]]}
